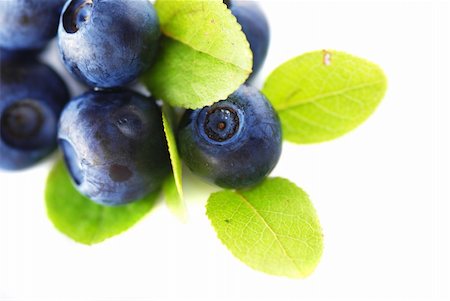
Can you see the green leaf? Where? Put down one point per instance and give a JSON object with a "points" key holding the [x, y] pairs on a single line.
{"points": [[174, 200], [204, 55], [272, 228], [322, 95], [83, 220], [173, 190]]}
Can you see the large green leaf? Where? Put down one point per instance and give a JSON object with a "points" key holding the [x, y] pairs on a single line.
{"points": [[322, 95], [272, 228], [204, 55], [173, 190], [83, 220]]}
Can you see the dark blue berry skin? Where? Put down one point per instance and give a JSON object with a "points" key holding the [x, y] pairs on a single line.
{"points": [[234, 143], [256, 28], [32, 96], [114, 145], [108, 43], [17, 56], [28, 24]]}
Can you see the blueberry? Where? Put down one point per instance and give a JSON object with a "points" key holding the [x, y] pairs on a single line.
{"points": [[28, 24], [235, 142], [108, 43], [114, 145], [255, 27], [8, 56], [32, 96]]}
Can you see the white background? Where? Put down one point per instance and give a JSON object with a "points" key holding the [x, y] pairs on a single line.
{"points": [[381, 192]]}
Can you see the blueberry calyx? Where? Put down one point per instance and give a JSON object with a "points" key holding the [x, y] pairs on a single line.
{"points": [[21, 122], [235, 143], [77, 14], [221, 123]]}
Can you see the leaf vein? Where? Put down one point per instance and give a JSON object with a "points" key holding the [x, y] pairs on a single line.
{"points": [[340, 92], [168, 35], [309, 121], [274, 234]]}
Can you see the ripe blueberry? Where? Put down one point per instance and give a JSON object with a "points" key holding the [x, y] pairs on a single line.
{"points": [[255, 27], [114, 145], [108, 43], [234, 143], [31, 99], [28, 24], [11, 56]]}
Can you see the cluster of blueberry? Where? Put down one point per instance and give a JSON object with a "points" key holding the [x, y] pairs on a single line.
{"points": [[112, 138]]}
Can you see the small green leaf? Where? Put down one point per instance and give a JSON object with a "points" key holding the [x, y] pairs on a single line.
{"points": [[83, 220], [174, 200], [272, 228], [173, 190], [204, 55], [322, 95]]}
